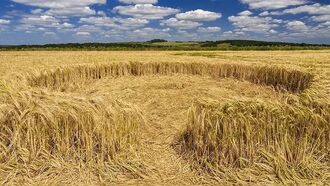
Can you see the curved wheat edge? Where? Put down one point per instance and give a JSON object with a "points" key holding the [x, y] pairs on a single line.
{"points": [[279, 78]]}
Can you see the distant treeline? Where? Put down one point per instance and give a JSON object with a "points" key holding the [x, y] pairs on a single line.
{"points": [[251, 43], [160, 44]]}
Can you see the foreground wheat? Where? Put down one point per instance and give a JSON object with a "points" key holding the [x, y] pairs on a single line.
{"points": [[37, 125], [254, 141]]}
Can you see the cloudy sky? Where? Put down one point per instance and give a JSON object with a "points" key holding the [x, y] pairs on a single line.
{"points": [[63, 21]]}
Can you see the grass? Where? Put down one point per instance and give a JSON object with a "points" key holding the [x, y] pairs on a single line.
{"points": [[89, 118]]}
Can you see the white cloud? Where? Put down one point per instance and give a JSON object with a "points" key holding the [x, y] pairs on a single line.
{"points": [[316, 9], [141, 34], [60, 3], [180, 24], [44, 20], [272, 4], [321, 18], [116, 22], [63, 7], [228, 32], [101, 13], [25, 27], [326, 24], [100, 21], [185, 35], [74, 11], [67, 25], [139, 1], [265, 13], [4, 21], [199, 15], [299, 30], [245, 13], [42, 23], [209, 29], [49, 34], [297, 26], [83, 34], [272, 31], [254, 23], [148, 34], [89, 29], [37, 11], [145, 11], [132, 22]]}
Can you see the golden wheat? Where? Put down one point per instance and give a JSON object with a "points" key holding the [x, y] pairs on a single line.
{"points": [[278, 78], [52, 136], [35, 123], [288, 141]]}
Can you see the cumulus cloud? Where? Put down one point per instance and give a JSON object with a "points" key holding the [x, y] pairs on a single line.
{"points": [[74, 11], [209, 29], [180, 24], [4, 21], [198, 15], [145, 11], [49, 34], [149, 33], [118, 23], [63, 7], [83, 34], [37, 11], [4, 24], [67, 25], [321, 18], [44, 20], [297, 26], [246, 23], [272, 4], [132, 22], [101, 21], [89, 29], [60, 3], [139, 1], [265, 13], [42, 23], [317, 9], [326, 24], [245, 13]]}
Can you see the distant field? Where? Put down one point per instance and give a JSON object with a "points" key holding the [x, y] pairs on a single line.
{"points": [[157, 117]]}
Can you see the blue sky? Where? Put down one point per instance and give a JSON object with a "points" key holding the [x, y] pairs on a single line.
{"points": [[63, 21]]}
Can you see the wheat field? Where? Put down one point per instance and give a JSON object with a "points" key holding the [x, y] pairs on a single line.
{"points": [[165, 118]]}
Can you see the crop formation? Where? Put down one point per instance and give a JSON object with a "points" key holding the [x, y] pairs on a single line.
{"points": [[62, 119]]}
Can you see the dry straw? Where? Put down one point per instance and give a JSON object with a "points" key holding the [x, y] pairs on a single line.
{"points": [[66, 126], [235, 140], [279, 78], [259, 141]]}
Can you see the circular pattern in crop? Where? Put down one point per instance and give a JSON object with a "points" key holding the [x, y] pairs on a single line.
{"points": [[264, 129]]}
